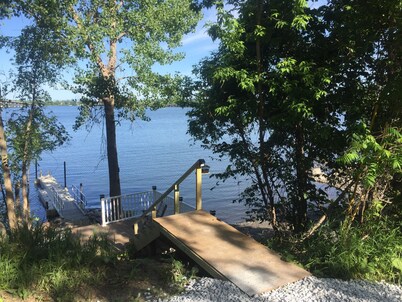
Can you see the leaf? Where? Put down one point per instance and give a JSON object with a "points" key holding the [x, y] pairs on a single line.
{"points": [[396, 165], [397, 263]]}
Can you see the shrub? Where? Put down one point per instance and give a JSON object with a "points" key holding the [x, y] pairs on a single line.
{"points": [[372, 250], [51, 260]]}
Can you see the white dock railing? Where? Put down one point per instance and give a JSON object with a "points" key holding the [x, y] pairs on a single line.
{"points": [[80, 199], [58, 202], [123, 207]]}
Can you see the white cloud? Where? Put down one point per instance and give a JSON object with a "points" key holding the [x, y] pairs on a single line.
{"points": [[195, 37]]}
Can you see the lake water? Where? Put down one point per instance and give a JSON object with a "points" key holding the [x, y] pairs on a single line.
{"points": [[150, 153]]}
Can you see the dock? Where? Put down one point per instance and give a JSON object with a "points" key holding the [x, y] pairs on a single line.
{"points": [[141, 218], [57, 199]]}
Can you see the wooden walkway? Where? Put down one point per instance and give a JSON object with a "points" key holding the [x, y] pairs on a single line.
{"points": [[47, 189], [228, 254], [118, 233]]}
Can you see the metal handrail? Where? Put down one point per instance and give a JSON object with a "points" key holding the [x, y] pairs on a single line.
{"points": [[58, 202], [123, 207], [80, 199], [198, 165]]}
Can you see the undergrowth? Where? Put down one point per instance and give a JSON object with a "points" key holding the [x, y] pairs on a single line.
{"points": [[51, 260], [52, 263], [371, 251]]}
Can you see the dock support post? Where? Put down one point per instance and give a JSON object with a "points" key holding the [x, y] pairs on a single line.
{"points": [[198, 190], [176, 199], [81, 195], [65, 175], [36, 169], [153, 196]]}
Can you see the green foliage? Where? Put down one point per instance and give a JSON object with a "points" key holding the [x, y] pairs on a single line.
{"points": [[374, 161], [119, 43], [372, 251], [374, 157], [261, 103], [293, 88], [51, 260], [180, 275], [46, 133]]}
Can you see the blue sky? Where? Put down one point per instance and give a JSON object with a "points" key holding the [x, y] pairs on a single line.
{"points": [[196, 46]]}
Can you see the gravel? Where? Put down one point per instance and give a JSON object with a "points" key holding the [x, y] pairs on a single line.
{"points": [[308, 289]]}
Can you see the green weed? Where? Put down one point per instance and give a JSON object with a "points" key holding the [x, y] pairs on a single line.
{"points": [[371, 251], [180, 274], [51, 260]]}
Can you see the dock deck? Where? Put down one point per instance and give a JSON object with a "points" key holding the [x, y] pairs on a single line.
{"points": [[226, 253], [48, 188]]}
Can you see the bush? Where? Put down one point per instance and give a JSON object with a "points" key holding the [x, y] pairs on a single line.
{"points": [[50, 260], [372, 250]]}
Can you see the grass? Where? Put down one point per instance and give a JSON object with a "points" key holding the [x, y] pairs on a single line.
{"points": [[49, 264], [371, 251]]}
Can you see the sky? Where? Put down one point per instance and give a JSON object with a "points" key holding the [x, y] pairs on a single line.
{"points": [[196, 46]]}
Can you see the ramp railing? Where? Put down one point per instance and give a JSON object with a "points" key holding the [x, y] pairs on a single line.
{"points": [[58, 202], [80, 199], [200, 168]]}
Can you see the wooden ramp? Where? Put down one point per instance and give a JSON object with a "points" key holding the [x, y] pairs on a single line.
{"points": [[228, 254]]}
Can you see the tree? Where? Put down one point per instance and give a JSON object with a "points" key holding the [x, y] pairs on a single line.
{"points": [[109, 36], [367, 90], [32, 131], [291, 89], [9, 196], [258, 103]]}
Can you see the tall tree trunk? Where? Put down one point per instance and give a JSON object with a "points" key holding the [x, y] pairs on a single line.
{"points": [[262, 125], [113, 162], [24, 188], [301, 174], [12, 217], [25, 164], [17, 197]]}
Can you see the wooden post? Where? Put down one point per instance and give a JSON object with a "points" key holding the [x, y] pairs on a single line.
{"points": [[135, 228], [198, 186], [154, 213], [176, 199]]}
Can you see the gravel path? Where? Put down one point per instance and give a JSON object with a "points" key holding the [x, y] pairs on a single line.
{"points": [[310, 289]]}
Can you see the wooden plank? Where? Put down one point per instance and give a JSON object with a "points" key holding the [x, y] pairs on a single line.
{"points": [[118, 233], [238, 258]]}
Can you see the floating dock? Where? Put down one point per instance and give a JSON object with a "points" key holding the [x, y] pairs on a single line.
{"points": [[57, 199]]}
